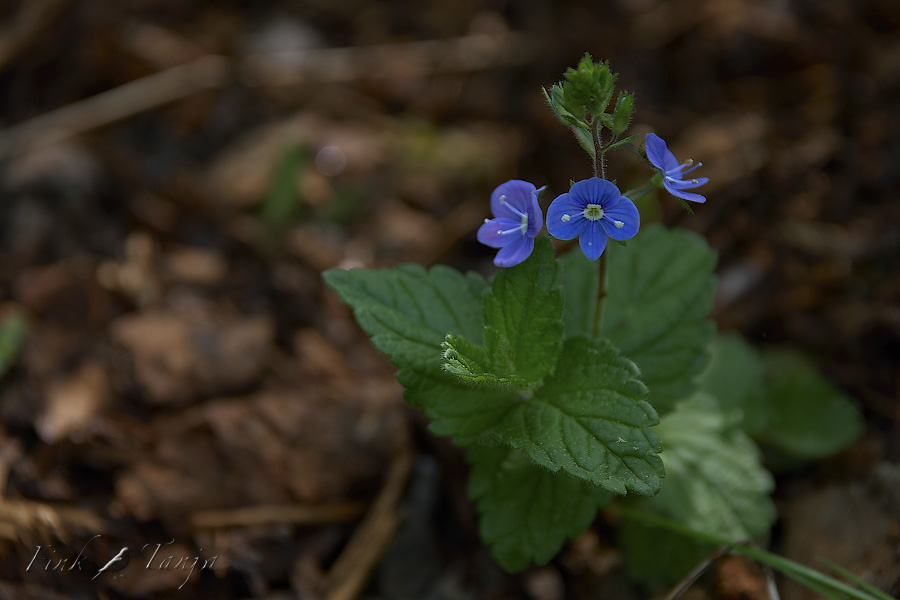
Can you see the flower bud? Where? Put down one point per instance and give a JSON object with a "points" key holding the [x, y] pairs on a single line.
{"points": [[622, 113]]}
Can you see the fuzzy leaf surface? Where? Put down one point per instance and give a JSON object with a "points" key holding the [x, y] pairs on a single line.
{"points": [[527, 513], [714, 483], [409, 310], [660, 293], [523, 317], [588, 419], [581, 282], [471, 365]]}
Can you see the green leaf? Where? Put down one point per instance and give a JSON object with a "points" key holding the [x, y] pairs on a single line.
{"points": [[527, 512], [581, 282], [660, 292], [408, 311], [735, 377], [588, 419], [283, 201], [805, 416], [622, 142], [585, 139], [469, 414], [818, 582], [622, 113], [12, 334], [657, 557], [556, 101], [785, 403], [523, 317], [854, 579], [471, 364], [714, 484]]}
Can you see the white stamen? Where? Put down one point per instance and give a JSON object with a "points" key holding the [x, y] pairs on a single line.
{"points": [[513, 230], [522, 216], [565, 218], [694, 181], [619, 224], [487, 220]]}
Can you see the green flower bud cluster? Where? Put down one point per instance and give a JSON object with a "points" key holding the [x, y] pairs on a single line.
{"points": [[581, 101]]}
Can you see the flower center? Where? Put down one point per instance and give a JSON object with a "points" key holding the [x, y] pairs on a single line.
{"points": [[593, 212]]}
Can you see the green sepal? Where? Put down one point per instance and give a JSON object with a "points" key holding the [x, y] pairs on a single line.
{"points": [[684, 205]]}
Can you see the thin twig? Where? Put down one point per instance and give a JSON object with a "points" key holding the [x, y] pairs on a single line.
{"points": [[414, 59], [265, 515], [350, 571], [20, 518], [771, 587], [473, 52], [25, 28], [127, 100], [699, 570]]}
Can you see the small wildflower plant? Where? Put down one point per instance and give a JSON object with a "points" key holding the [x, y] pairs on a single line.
{"points": [[589, 377]]}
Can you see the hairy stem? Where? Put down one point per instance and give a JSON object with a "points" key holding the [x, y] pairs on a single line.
{"points": [[598, 149]]}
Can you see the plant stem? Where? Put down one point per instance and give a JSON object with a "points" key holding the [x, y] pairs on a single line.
{"points": [[595, 131], [598, 148], [814, 580], [638, 190], [699, 570], [601, 295]]}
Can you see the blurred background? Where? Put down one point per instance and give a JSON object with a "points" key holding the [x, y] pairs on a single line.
{"points": [[175, 175]]}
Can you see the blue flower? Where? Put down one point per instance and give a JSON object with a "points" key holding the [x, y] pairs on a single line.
{"points": [[517, 220], [673, 173], [592, 210]]}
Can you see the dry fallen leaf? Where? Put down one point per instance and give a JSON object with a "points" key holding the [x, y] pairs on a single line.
{"points": [[73, 403]]}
